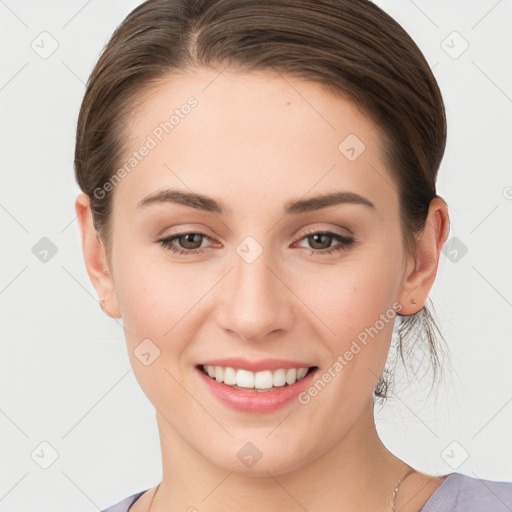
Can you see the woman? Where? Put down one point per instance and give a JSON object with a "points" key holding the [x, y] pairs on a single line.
{"points": [[259, 204]]}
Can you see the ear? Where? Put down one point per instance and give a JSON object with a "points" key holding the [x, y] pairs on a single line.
{"points": [[421, 270], [95, 258]]}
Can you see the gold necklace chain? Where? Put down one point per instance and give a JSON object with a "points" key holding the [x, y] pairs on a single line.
{"points": [[406, 473]]}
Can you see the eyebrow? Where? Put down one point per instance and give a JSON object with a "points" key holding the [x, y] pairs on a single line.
{"points": [[197, 201], [326, 200], [208, 204]]}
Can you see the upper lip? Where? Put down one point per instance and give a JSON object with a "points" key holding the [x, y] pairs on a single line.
{"points": [[256, 366]]}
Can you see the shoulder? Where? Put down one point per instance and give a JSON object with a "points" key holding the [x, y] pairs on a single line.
{"points": [[124, 505], [462, 493]]}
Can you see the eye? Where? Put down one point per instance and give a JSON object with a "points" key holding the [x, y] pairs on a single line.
{"points": [[185, 243], [321, 242]]}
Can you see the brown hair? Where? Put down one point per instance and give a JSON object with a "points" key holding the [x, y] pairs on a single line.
{"points": [[351, 47]]}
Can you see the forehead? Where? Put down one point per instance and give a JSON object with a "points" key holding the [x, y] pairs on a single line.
{"points": [[228, 100], [215, 130]]}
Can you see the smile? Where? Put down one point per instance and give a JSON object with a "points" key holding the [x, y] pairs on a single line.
{"points": [[265, 380], [255, 386]]}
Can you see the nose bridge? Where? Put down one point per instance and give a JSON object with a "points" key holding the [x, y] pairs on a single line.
{"points": [[254, 304]]}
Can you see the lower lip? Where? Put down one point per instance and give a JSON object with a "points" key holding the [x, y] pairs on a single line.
{"points": [[256, 401]]}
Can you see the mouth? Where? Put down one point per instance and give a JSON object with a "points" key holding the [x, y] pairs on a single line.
{"points": [[264, 381]]}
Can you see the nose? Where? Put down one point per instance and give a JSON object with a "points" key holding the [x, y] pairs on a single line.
{"points": [[255, 302]]}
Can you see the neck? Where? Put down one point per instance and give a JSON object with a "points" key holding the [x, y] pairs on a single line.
{"points": [[357, 473]]}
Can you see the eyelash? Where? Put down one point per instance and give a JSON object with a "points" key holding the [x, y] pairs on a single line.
{"points": [[344, 243]]}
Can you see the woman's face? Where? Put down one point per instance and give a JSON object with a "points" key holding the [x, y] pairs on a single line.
{"points": [[244, 165]]}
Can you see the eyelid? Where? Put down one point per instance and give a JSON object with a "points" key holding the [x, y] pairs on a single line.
{"points": [[313, 231], [185, 230]]}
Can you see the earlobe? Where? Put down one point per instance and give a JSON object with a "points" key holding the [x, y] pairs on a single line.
{"points": [[422, 270], [95, 258]]}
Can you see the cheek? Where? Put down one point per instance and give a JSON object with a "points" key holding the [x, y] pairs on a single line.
{"points": [[353, 295], [356, 302], [157, 308], [153, 296], [163, 301]]}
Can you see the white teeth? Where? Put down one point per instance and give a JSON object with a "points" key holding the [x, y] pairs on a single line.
{"points": [[245, 379], [229, 376], [301, 373], [265, 379], [279, 377], [291, 376]]}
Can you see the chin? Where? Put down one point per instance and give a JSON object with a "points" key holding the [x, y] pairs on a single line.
{"points": [[260, 457]]}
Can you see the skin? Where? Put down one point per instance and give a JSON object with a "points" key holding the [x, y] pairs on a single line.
{"points": [[255, 142]]}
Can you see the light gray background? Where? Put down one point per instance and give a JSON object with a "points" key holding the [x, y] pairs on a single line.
{"points": [[65, 378]]}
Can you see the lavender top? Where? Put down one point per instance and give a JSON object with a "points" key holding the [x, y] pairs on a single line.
{"points": [[457, 493]]}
